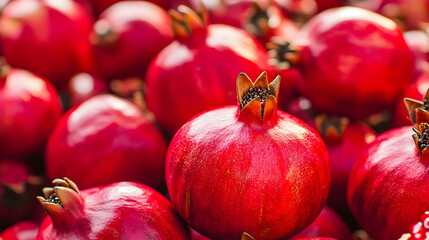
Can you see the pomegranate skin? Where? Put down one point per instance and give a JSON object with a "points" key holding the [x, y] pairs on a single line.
{"points": [[98, 6], [21, 231], [354, 62], [206, 72], [107, 139], [226, 177], [327, 224], [122, 210], [49, 38], [29, 109], [140, 30], [387, 189]]}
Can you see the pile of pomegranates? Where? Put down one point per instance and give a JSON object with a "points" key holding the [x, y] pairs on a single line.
{"points": [[214, 119]]}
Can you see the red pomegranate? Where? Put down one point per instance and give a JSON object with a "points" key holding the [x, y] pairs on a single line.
{"points": [[327, 224], [127, 36], [354, 62], [199, 67], [46, 37], [261, 18], [107, 139], [18, 188], [21, 231], [83, 86], [345, 140], [387, 186], [416, 90], [122, 210], [419, 230], [29, 109], [248, 168]]}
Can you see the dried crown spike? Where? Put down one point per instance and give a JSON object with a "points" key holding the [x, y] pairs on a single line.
{"points": [[185, 20], [418, 112], [246, 236]]}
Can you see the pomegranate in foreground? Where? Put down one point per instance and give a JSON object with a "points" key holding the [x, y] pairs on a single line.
{"points": [[354, 62], [122, 210], [106, 139], [196, 72], [29, 109], [248, 168], [387, 189]]}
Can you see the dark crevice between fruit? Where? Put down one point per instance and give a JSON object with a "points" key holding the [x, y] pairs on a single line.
{"points": [[282, 54], [255, 93], [13, 200], [53, 198]]}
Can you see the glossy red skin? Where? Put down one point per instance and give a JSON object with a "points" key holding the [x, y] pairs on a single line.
{"points": [[387, 189], [47, 38], [200, 73], [369, 77], [29, 109], [21, 231], [322, 5], [343, 154], [416, 90], [104, 140], [15, 206], [418, 41], [83, 86], [226, 176], [98, 6], [123, 210], [327, 224], [143, 29]]}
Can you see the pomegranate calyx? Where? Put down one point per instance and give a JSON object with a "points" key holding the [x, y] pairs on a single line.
{"points": [[104, 35], [246, 236], [331, 128], [283, 55], [186, 21], [258, 99], [421, 138], [261, 20], [4, 69]]}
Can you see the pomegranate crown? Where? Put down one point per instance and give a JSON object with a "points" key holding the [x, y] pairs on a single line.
{"points": [[283, 54], [186, 21], [331, 128], [418, 112], [258, 99]]}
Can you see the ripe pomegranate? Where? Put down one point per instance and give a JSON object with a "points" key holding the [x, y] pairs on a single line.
{"points": [[387, 186], [25, 230], [419, 230], [122, 210], [248, 168], [344, 140], [127, 36], [18, 187], [47, 37], [327, 224], [205, 58], [374, 64], [107, 139], [29, 109], [83, 86], [261, 18], [416, 90]]}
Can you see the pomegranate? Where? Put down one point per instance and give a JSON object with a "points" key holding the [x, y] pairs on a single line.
{"points": [[21, 231], [327, 224], [47, 37], [122, 210], [29, 109], [248, 168], [18, 187], [374, 62], [107, 139], [83, 86], [345, 140], [416, 90], [419, 230], [205, 58], [387, 186], [260, 18], [127, 36]]}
